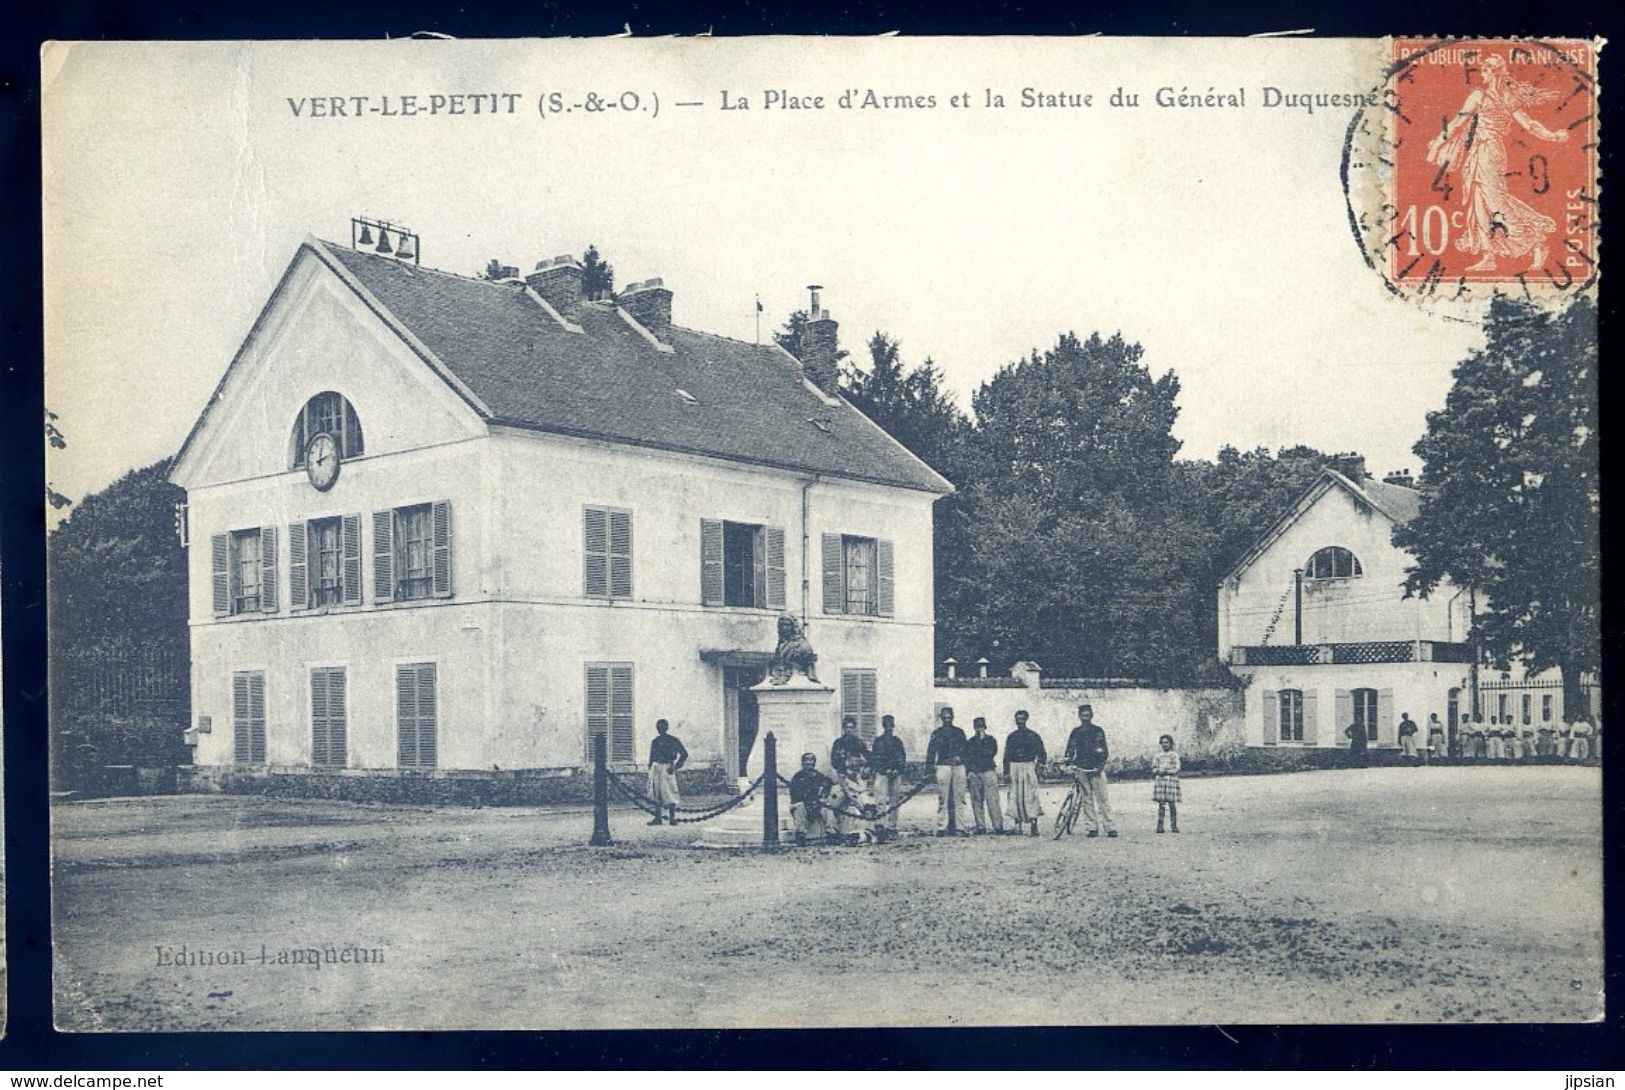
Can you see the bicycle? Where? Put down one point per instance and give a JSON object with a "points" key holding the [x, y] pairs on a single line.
{"points": [[1067, 816]]}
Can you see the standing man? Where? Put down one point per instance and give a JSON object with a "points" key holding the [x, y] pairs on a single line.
{"points": [[946, 754], [1086, 753], [848, 747], [1023, 753], [666, 755], [1436, 747], [983, 778], [1355, 733], [1407, 736], [888, 760]]}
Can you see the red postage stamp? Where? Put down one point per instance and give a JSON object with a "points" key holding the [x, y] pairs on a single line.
{"points": [[1494, 164]]}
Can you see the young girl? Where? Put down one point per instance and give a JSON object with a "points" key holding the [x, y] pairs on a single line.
{"points": [[1165, 782]]}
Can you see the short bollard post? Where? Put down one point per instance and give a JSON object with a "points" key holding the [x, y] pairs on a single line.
{"points": [[600, 793], [770, 792]]}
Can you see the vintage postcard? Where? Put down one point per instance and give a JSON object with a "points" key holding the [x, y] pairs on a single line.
{"points": [[823, 532]]}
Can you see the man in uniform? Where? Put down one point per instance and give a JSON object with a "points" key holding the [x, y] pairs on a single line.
{"points": [[666, 755], [982, 777], [1086, 753], [1023, 753], [888, 760], [807, 790], [847, 747], [946, 754]]}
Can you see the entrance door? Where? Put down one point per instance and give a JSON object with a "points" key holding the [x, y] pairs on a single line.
{"points": [[741, 716]]}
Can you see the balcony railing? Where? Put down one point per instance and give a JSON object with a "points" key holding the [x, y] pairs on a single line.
{"points": [[1338, 654]]}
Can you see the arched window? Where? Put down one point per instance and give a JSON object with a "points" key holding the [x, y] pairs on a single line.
{"points": [[331, 413], [1333, 562]]}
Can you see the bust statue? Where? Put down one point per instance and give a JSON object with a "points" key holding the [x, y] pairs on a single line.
{"points": [[794, 655]]}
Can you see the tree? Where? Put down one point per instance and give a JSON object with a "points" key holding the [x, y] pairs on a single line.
{"points": [[597, 275], [1082, 420], [54, 436], [1510, 498]]}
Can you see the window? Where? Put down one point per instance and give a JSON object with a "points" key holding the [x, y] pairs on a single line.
{"points": [[327, 717], [741, 564], [1365, 711], [1333, 562], [416, 719], [607, 552], [858, 575], [859, 700], [248, 717], [1502, 715], [244, 570], [1291, 715], [1546, 708], [411, 553], [324, 562], [609, 709], [333, 414], [1528, 708]]}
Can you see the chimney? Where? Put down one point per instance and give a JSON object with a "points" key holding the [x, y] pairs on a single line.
{"points": [[649, 304], [1401, 477], [818, 346], [558, 280], [1350, 464]]}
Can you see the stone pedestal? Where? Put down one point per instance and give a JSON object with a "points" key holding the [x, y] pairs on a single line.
{"points": [[800, 715]]}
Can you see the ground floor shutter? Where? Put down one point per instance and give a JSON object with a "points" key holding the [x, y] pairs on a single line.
{"points": [[1272, 717], [1311, 717], [609, 700], [248, 718], [328, 746], [1385, 717], [416, 715], [1345, 716]]}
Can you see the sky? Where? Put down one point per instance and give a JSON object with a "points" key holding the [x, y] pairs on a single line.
{"points": [[179, 183]]}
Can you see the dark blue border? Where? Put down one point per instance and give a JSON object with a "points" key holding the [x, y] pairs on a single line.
{"points": [[31, 1043]]}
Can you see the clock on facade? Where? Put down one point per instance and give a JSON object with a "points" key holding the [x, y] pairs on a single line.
{"points": [[322, 461]]}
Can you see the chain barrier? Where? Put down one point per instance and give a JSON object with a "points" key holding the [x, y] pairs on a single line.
{"points": [[705, 813]]}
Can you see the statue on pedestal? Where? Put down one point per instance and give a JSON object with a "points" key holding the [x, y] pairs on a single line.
{"points": [[794, 655]]}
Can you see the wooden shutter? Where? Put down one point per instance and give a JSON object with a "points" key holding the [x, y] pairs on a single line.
{"points": [[1272, 718], [350, 533], [834, 575], [620, 554], [442, 548], [318, 718], [868, 699], [383, 556], [220, 557], [268, 587], [1311, 713], [1385, 717], [883, 579], [711, 588], [428, 716], [298, 558], [1344, 704], [758, 568], [620, 713], [337, 717], [406, 716], [597, 706], [851, 697], [240, 726], [774, 539], [595, 551]]}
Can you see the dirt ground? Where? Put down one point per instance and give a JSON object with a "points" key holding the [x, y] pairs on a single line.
{"points": [[1378, 895]]}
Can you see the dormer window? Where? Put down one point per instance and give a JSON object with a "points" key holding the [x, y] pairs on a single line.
{"points": [[327, 413], [1333, 562]]}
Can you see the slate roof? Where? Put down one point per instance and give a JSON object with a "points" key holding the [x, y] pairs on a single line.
{"points": [[1399, 503], [749, 402]]}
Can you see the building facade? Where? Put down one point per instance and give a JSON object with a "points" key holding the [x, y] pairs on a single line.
{"points": [[1314, 620], [446, 523]]}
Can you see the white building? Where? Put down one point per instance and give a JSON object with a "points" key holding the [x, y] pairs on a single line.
{"points": [[1314, 619], [441, 522]]}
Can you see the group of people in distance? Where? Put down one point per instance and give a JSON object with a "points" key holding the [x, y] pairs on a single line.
{"points": [[1498, 741], [857, 804]]}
